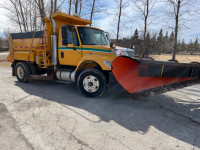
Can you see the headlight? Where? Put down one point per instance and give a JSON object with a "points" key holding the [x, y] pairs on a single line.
{"points": [[118, 52], [108, 63]]}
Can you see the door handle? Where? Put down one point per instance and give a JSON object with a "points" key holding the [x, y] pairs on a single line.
{"points": [[62, 54]]}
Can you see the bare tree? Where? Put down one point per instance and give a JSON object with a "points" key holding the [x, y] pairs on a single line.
{"points": [[92, 11], [119, 19], [55, 5], [14, 8], [80, 7], [76, 6], [179, 10], [40, 5], [51, 11], [22, 13], [70, 4], [15, 12], [145, 7]]}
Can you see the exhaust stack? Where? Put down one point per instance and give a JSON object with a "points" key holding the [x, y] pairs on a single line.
{"points": [[54, 46]]}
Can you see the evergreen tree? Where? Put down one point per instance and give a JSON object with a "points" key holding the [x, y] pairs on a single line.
{"points": [[135, 38], [165, 43], [166, 35], [183, 46], [148, 45], [190, 47], [171, 37], [135, 41], [136, 35], [178, 47], [196, 45], [171, 42], [153, 47], [160, 42]]}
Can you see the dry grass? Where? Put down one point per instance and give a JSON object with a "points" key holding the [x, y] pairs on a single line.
{"points": [[5, 64], [3, 56], [3, 60], [180, 58]]}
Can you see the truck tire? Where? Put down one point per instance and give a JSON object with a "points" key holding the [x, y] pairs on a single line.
{"points": [[22, 71], [92, 83]]}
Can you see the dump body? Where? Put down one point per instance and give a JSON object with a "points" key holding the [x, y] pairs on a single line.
{"points": [[20, 45]]}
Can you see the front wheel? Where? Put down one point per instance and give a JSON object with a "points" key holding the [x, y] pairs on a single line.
{"points": [[92, 83]]}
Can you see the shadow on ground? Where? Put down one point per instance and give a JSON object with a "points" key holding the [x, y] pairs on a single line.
{"points": [[159, 111]]}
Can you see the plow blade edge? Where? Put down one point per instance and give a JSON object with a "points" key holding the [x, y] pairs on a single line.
{"points": [[136, 75]]}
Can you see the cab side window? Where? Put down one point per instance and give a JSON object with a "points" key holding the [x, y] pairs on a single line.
{"points": [[71, 36], [75, 38]]}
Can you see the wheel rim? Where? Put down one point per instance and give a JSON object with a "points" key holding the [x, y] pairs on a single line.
{"points": [[20, 72], [91, 84]]}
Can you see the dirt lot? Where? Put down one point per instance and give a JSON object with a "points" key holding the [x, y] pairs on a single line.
{"points": [[49, 115], [3, 62], [3, 56], [180, 58]]}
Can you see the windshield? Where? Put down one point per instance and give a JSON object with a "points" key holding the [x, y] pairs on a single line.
{"points": [[91, 36]]}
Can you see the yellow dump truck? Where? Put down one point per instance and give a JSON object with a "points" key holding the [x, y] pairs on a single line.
{"points": [[67, 49]]}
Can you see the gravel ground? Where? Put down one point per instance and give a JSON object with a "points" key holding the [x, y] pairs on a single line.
{"points": [[3, 56], [50, 115]]}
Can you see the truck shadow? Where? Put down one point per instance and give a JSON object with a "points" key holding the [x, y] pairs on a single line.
{"points": [[176, 119]]}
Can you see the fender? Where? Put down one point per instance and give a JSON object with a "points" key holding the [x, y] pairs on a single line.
{"points": [[98, 59]]}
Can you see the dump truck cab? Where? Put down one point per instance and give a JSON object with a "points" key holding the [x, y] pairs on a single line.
{"points": [[67, 49], [78, 44]]}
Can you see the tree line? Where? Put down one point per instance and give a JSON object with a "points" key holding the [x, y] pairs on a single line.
{"points": [[3, 44], [159, 44]]}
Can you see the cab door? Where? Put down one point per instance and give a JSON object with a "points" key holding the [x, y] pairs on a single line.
{"points": [[69, 52]]}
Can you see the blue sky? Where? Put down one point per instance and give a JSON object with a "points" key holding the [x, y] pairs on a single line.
{"points": [[131, 19], [106, 19]]}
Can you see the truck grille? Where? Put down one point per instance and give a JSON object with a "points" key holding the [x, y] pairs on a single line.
{"points": [[128, 53]]}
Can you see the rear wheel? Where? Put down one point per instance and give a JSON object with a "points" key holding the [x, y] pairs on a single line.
{"points": [[22, 71], [92, 83]]}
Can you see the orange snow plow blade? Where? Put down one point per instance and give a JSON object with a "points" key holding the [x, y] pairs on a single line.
{"points": [[136, 75]]}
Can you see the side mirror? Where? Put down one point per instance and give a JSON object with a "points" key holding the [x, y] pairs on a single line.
{"points": [[64, 35], [133, 46], [112, 45], [108, 36]]}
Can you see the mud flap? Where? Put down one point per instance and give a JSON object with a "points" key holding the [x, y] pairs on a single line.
{"points": [[13, 69]]}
